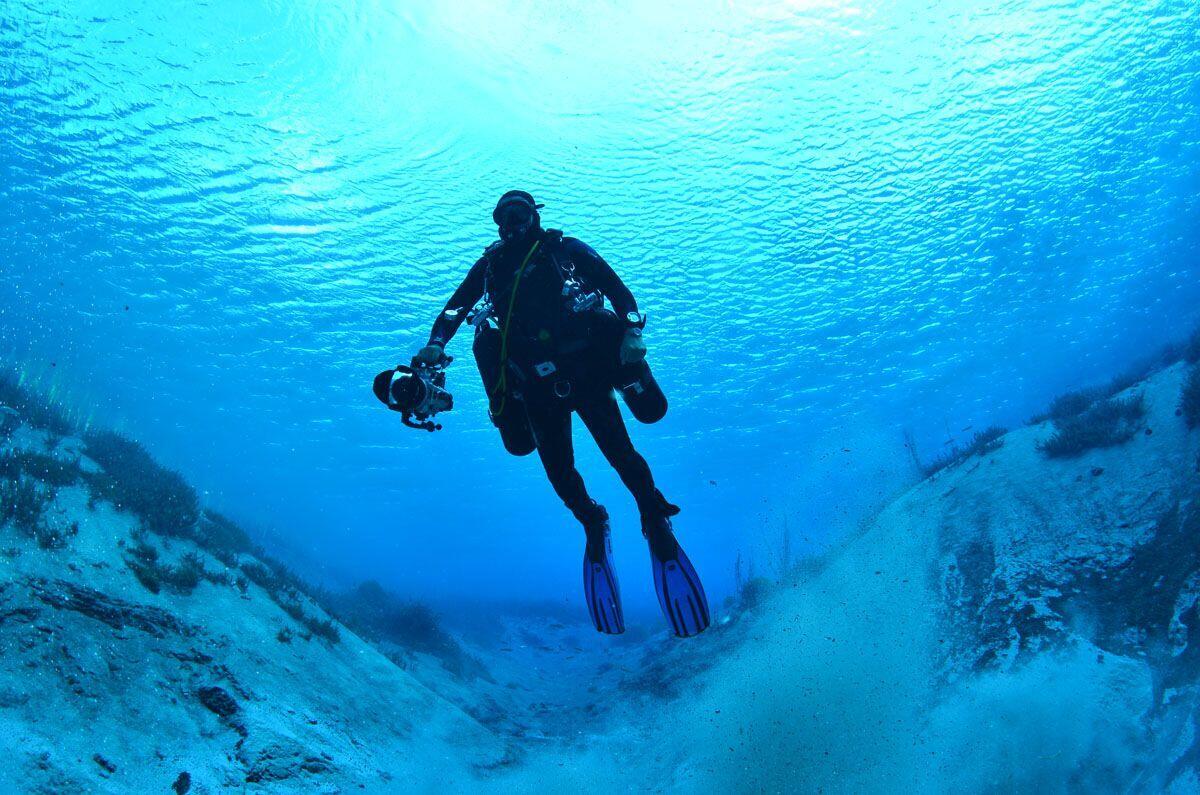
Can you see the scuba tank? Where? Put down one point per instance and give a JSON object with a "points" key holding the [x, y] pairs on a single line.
{"points": [[641, 392], [505, 408], [636, 383]]}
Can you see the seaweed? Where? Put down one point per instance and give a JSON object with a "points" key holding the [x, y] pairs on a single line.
{"points": [[133, 481], [754, 592], [51, 538], [142, 560], [182, 578], [160, 498], [284, 587], [1191, 348], [265, 577], [224, 538], [326, 629], [982, 443], [378, 614], [293, 609], [1136, 374], [185, 576], [1189, 397], [1068, 405], [784, 558], [34, 409], [42, 468], [22, 503], [1187, 350], [1074, 403], [1106, 423], [323, 628], [289, 580], [10, 420]]}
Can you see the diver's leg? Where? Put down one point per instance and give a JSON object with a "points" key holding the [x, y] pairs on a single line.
{"points": [[551, 425], [552, 431], [599, 412]]}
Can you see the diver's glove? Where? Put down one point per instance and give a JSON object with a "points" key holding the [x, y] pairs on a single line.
{"points": [[430, 355], [633, 347]]}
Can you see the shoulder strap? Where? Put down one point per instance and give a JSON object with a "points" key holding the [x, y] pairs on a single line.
{"points": [[489, 278], [553, 242]]}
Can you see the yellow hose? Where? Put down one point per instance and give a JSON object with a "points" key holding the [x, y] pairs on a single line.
{"points": [[502, 381]]}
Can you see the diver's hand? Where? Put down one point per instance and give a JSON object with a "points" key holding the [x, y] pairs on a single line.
{"points": [[430, 355], [633, 347]]}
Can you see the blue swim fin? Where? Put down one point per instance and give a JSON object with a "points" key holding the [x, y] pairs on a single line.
{"points": [[601, 588], [680, 593]]}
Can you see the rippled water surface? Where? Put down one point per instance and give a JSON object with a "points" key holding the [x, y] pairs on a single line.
{"points": [[220, 220]]}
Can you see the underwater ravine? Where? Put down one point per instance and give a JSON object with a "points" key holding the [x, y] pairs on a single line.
{"points": [[658, 397]]}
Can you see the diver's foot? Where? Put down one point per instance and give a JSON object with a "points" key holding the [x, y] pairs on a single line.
{"points": [[660, 535], [680, 593], [600, 586], [664, 507], [596, 526]]}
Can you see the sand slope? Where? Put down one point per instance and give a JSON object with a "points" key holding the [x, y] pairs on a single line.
{"points": [[108, 687], [1015, 623]]}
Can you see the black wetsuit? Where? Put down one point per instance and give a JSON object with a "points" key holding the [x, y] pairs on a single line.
{"points": [[538, 314]]}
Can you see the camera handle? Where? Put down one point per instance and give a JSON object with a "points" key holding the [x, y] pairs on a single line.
{"points": [[440, 364]]}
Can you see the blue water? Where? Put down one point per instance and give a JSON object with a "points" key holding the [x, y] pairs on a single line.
{"points": [[844, 219]]}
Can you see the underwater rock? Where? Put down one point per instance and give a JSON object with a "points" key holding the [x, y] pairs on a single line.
{"points": [[220, 703], [117, 613], [19, 615], [88, 652], [11, 697], [216, 700], [1042, 562], [276, 758]]}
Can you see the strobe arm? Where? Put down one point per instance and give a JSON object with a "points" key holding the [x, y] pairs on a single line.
{"points": [[427, 425]]}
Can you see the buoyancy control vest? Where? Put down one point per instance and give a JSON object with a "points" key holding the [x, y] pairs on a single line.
{"points": [[542, 333], [544, 312], [541, 304]]}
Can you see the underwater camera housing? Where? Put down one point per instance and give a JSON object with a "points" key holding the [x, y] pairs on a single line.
{"points": [[418, 392]]}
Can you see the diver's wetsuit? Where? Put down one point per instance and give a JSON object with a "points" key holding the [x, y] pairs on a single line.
{"points": [[539, 307]]}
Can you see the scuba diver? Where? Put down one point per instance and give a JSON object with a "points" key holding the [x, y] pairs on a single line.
{"points": [[547, 347]]}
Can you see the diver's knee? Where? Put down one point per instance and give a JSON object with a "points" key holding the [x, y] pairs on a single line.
{"points": [[563, 478], [624, 456]]}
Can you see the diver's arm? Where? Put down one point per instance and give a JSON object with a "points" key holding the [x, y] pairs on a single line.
{"points": [[455, 311], [600, 275]]}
